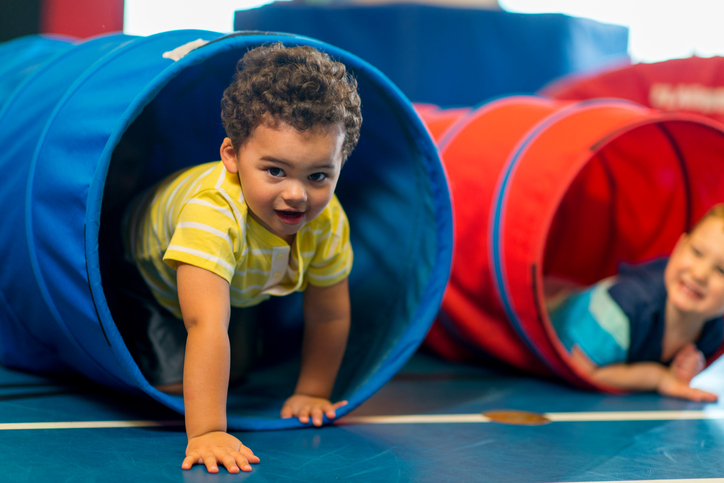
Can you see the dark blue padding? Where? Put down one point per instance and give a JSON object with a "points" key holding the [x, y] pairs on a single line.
{"points": [[393, 189], [452, 56]]}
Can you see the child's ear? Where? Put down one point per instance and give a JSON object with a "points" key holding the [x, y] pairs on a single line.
{"points": [[228, 156]]}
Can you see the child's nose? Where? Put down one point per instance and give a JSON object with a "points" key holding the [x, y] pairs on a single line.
{"points": [[294, 192], [700, 271]]}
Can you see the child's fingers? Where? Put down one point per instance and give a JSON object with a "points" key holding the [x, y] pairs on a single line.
{"points": [[339, 404], [240, 461], [317, 416], [705, 396], [210, 461], [304, 414], [287, 412], [313, 409], [190, 460], [331, 410], [230, 462], [243, 463], [694, 394], [249, 454]]}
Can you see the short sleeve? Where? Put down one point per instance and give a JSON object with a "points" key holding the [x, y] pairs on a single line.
{"points": [[641, 294], [207, 235], [332, 261], [593, 321]]}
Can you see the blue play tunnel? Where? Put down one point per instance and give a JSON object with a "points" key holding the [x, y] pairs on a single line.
{"points": [[21, 57], [112, 115]]}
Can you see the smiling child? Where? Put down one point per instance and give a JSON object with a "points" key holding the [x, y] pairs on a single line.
{"points": [[651, 327]]}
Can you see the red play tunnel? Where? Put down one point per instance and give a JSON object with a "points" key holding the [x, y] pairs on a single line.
{"points": [[546, 188], [437, 120], [693, 85]]}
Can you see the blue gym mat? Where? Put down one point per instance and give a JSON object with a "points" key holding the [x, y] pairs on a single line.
{"points": [[424, 425]]}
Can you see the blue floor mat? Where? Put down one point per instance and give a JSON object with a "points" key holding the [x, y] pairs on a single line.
{"points": [[364, 449]]}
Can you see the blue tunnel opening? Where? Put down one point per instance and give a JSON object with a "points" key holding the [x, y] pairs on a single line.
{"points": [[121, 117]]}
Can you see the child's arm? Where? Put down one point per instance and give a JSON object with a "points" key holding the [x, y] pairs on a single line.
{"points": [[204, 299], [326, 327], [640, 376]]}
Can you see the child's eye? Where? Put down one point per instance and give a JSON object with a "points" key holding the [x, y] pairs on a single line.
{"points": [[719, 270], [318, 177], [275, 172], [696, 252]]}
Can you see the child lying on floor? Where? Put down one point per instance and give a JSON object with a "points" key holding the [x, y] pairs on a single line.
{"points": [[650, 327]]}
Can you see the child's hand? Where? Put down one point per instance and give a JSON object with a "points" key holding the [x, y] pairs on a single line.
{"points": [[672, 385], [688, 362], [303, 407], [218, 447]]}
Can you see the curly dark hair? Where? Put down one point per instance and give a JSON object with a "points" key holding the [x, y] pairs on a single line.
{"points": [[299, 86]]}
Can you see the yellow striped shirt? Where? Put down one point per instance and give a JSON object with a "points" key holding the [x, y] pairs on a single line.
{"points": [[198, 216]]}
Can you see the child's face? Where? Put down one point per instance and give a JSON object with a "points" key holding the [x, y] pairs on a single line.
{"points": [[694, 275], [287, 176]]}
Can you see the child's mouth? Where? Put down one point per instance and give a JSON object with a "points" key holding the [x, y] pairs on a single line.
{"points": [[690, 291], [290, 217]]}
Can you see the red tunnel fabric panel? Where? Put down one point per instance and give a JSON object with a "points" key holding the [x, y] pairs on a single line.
{"points": [[471, 308], [694, 85]]}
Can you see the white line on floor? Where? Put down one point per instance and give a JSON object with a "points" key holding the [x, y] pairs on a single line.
{"points": [[410, 419], [636, 415], [90, 424], [554, 417], [415, 419]]}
